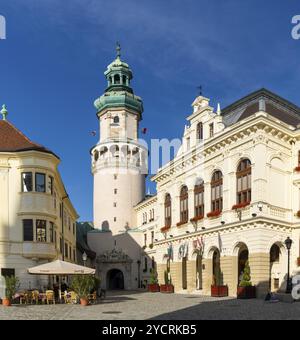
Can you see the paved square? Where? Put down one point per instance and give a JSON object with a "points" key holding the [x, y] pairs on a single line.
{"points": [[157, 306]]}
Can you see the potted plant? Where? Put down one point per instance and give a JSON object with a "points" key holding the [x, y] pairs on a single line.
{"points": [[12, 284], [167, 287], [246, 290], [217, 288], [82, 286], [153, 286]]}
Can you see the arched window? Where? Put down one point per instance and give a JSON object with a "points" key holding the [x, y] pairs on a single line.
{"points": [[217, 191], [116, 120], [184, 208], [124, 80], [243, 177], [96, 155], [168, 210], [116, 79], [199, 132], [199, 199]]}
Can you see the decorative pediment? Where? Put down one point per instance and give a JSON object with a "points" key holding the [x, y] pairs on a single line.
{"points": [[113, 256]]}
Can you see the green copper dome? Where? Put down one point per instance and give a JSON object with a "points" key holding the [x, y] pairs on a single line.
{"points": [[119, 92]]}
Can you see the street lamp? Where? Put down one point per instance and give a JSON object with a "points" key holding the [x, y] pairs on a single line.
{"points": [[84, 258], [288, 243]]}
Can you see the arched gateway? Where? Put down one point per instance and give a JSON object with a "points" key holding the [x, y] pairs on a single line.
{"points": [[115, 279]]}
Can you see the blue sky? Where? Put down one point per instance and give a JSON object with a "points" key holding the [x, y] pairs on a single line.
{"points": [[52, 64]]}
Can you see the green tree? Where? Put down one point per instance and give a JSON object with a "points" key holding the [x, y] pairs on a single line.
{"points": [[246, 278], [12, 284]]}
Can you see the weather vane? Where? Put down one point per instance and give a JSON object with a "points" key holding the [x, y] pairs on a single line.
{"points": [[118, 48], [200, 90]]}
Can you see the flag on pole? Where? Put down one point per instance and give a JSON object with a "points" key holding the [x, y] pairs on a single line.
{"points": [[93, 133], [144, 130]]}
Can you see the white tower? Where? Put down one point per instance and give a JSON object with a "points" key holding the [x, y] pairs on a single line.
{"points": [[119, 161]]}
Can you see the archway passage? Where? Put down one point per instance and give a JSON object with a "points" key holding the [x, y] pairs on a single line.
{"points": [[115, 280]]}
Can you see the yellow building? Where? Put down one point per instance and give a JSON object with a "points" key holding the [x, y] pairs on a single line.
{"points": [[37, 218]]}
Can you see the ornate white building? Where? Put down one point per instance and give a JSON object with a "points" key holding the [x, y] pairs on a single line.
{"points": [[230, 195]]}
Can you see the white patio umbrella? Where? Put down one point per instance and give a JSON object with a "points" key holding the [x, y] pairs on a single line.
{"points": [[59, 267]]}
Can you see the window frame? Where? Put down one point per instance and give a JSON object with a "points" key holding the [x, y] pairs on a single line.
{"points": [[23, 185], [244, 174], [184, 204], [40, 240], [199, 199], [37, 174], [217, 191], [168, 210]]}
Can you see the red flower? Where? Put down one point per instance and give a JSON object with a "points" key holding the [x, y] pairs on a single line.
{"points": [[197, 218], [214, 213], [240, 205], [165, 229], [179, 224]]}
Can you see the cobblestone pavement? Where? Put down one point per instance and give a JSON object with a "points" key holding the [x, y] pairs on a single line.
{"points": [[156, 306]]}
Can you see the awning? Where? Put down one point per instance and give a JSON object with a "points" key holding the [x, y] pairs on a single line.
{"points": [[59, 267]]}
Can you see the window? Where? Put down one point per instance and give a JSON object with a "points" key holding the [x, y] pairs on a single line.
{"points": [[117, 79], [70, 252], [188, 143], [50, 185], [28, 230], [124, 80], [116, 120], [115, 191], [145, 239], [40, 182], [96, 155], [74, 255], [145, 264], [184, 209], [55, 201], [27, 182], [60, 245], [199, 132], [152, 237], [168, 210], [66, 250], [199, 199], [60, 210], [7, 272], [69, 222], [217, 191], [115, 219], [74, 227], [41, 231], [115, 204], [211, 130], [115, 177], [298, 158], [243, 176], [55, 239], [51, 232]]}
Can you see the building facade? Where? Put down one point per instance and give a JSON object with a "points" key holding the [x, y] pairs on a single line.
{"points": [[230, 195], [37, 218]]}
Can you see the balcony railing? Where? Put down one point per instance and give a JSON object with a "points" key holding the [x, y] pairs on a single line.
{"points": [[39, 250]]}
